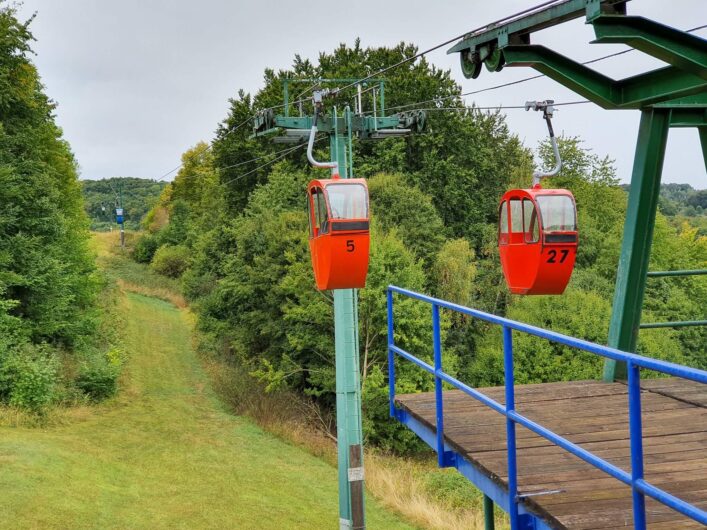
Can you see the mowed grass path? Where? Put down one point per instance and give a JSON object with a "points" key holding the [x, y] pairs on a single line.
{"points": [[164, 454]]}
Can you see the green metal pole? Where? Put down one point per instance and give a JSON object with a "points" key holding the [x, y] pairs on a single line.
{"points": [[382, 93], [703, 141], [676, 324], [349, 141], [286, 94], [348, 383], [489, 523], [638, 236], [661, 274]]}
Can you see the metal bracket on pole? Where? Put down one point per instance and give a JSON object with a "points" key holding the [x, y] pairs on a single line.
{"points": [[333, 165], [548, 109]]}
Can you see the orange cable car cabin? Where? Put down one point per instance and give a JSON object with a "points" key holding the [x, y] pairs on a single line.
{"points": [[537, 239], [339, 236]]}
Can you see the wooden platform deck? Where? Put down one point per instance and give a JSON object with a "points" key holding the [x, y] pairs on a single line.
{"points": [[564, 490]]}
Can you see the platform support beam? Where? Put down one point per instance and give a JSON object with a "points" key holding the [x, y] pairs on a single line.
{"points": [[489, 523], [638, 236]]}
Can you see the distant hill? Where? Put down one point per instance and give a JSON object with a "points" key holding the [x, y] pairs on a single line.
{"points": [[680, 199], [101, 198]]}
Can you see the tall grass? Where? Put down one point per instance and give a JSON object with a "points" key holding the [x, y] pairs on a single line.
{"points": [[131, 276], [438, 499]]}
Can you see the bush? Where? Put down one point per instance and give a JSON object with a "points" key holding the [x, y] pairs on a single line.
{"points": [[453, 489], [98, 379], [171, 261], [27, 378], [145, 248]]}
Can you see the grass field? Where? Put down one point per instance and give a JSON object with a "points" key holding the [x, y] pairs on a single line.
{"points": [[164, 453]]}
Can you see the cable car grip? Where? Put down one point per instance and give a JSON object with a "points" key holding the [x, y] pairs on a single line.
{"points": [[317, 101], [548, 109]]}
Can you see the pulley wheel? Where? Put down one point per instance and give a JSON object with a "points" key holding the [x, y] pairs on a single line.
{"points": [[495, 61], [471, 66]]}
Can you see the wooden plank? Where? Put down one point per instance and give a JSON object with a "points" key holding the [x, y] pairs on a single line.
{"points": [[676, 444], [578, 407], [584, 414], [527, 465], [595, 416], [676, 524], [681, 389], [655, 512], [598, 480], [600, 494]]}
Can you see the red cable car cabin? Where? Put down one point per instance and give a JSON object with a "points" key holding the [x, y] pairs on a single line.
{"points": [[537, 239], [338, 232]]}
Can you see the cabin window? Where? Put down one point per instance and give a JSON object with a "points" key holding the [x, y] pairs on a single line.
{"points": [[348, 201], [516, 216], [531, 230], [311, 213], [323, 213], [319, 215], [503, 224], [558, 213]]}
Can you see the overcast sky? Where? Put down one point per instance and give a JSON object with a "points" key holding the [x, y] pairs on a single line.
{"points": [[140, 81]]}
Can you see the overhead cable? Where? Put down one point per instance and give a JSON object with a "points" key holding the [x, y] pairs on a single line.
{"points": [[421, 54]]}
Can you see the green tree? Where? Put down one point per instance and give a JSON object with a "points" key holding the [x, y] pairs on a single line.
{"points": [[46, 270], [399, 205], [48, 284]]}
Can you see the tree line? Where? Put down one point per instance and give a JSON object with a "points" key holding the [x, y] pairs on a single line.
{"points": [[237, 238], [102, 197], [53, 342]]}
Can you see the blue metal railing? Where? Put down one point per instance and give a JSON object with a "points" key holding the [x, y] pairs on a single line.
{"points": [[634, 362]]}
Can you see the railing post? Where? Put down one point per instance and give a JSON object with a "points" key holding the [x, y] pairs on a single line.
{"points": [[636, 435], [391, 356], [510, 428], [439, 403]]}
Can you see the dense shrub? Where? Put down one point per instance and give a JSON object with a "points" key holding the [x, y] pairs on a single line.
{"points": [[171, 260], [98, 380], [145, 248], [453, 489], [27, 378]]}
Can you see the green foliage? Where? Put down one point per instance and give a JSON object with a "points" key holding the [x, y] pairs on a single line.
{"points": [[377, 429], [171, 260], [398, 205], [468, 155], [48, 282], [145, 248], [99, 379], [454, 271], [28, 378], [102, 197], [682, 200], [453, 489]]}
